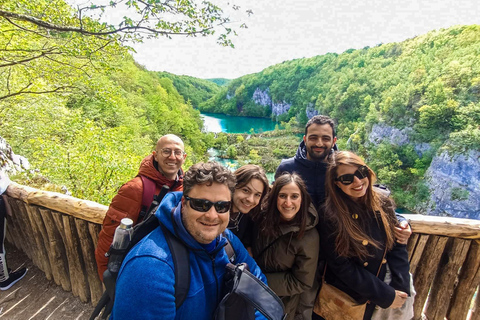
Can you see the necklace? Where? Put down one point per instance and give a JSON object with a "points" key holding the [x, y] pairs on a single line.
{"points": [[234, 223]]}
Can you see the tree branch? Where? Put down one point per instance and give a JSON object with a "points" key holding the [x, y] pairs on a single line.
{"points": [[23, 91], [126, 29], [41, 55]]}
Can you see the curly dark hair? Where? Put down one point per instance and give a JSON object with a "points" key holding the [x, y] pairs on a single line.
{"points": [[208, 173]]}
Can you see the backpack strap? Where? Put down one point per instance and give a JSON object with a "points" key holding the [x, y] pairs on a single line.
{"points": [[181, 264], [147, 197], [229, 249]]}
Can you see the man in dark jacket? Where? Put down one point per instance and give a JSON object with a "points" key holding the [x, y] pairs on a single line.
{"points": [[162, 167], [311, 159]]}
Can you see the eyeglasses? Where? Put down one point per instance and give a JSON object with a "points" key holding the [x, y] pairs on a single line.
{"points": [[204, 205], [166, 152], [346, 179]]}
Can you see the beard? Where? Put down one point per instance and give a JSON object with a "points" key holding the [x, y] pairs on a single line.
{"points": [[318, 156]]}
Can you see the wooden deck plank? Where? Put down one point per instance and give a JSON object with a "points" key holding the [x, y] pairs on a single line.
{"points": [[36, 298]]}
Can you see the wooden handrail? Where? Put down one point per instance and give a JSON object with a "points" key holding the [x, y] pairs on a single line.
{"points": [[444, 226], [78, 208], [95, 212]]}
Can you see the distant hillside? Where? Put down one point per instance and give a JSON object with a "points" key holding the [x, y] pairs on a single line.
{"points": [[399, 105], [220, 81], [193, 89]]}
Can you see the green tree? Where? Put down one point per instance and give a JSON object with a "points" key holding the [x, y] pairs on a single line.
{"points": [[232, 152]]}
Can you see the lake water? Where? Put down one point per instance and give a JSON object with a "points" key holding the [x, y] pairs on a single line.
{"points": [[215, 122]]}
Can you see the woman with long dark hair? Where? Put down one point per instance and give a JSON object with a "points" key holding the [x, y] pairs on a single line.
{"points": [[251, 188], [358, 238], [287, 244]]}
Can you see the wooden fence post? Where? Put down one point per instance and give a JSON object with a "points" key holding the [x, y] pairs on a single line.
{"points": [[443, 285]]}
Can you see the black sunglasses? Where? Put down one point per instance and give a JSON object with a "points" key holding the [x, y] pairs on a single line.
{"points": [[204, 205], [346, 179]]}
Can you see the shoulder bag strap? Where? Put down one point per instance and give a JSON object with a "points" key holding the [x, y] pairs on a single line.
{"points": [[269, 245]]}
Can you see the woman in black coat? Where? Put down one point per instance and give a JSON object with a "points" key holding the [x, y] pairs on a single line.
{"points": [[356, 230]]}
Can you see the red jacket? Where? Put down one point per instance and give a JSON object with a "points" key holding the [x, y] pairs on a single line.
{"points": [[127, 204]]}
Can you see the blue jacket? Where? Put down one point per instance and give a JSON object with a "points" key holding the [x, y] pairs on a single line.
{"points": [[312, 172], [145, 285]]}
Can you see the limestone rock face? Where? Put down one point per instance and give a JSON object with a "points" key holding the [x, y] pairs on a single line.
{"points": [[280, 108], [262, 97], [454, 183], [421, 148], [453, 180], [310, 111], [10, 162], [381, 132]]}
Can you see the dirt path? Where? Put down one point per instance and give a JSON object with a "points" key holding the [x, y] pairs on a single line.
{"points": [[34, 297]]}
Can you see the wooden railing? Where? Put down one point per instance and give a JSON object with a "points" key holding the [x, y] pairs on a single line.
{"points": [[444, 260], [59, 234]]}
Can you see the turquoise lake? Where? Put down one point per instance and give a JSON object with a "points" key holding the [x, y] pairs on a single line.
{"points": [[215, 122]]}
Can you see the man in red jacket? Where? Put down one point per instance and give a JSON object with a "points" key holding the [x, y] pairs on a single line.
{"points": [[163, 167]]}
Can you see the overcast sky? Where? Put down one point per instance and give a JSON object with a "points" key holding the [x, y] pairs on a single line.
{"points": [[286, 30]]}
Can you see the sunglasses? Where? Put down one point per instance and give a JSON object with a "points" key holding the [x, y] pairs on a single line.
{"points": [[204, 205], [346, 179]]}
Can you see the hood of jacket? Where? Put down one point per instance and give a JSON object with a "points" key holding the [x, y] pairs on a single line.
{"points": [[301, 155], [169, 213], [149, 170]]}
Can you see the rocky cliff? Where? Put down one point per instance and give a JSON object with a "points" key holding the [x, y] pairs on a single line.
{"points": [[454, 183], [453, 180], [10, 162]]}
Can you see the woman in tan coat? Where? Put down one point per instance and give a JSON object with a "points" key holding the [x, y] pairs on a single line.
{"points": [[287, 244]]}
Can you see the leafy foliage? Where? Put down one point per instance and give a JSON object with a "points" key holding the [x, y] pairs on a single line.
{"points": [[142, 19], [219, 81], [192, 89], [74, 102]]}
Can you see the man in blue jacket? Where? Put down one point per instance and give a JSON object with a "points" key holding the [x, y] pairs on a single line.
{"points": [[198, 217]]}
